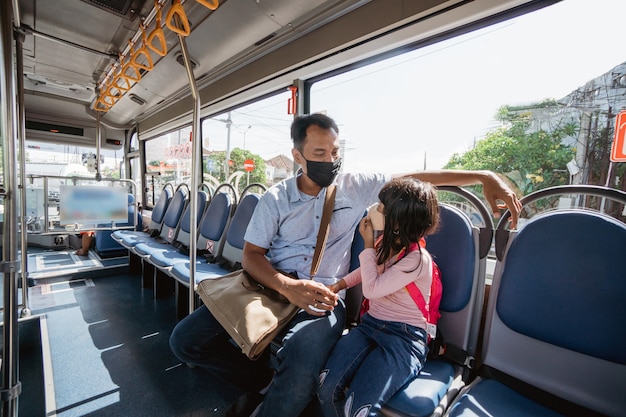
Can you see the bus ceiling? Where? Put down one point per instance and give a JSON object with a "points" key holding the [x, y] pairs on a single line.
{"points": [[123, 58]]}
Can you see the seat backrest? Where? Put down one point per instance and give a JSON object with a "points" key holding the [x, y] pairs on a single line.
{"points": [[212, 228], [183, 236], [232, 250], [555, 318], [455, 249], [354, 295], [174, 214], [160, 208], [105, 243]]}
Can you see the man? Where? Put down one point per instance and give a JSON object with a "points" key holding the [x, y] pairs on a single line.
{"points": [[281, 236]]}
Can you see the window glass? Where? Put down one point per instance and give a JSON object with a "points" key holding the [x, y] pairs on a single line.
{"points": [[538, 74], [168, 160], [256, 139], [53, 165]]}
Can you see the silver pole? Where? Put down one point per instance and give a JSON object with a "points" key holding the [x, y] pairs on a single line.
{"points": [[98, 144], [19, 49], [11, 387], [196, 149]]}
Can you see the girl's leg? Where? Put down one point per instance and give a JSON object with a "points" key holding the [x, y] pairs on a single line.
{"points": [[344, 361], [399, 356]]}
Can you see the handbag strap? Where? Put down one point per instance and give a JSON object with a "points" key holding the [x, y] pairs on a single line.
{"points": [[322, 234]]}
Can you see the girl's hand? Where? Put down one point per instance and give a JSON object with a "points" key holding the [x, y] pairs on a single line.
{"points": [[337, 286], [367, 232]]}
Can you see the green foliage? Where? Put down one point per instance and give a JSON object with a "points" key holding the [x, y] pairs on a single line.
{"points": [[531, 160], [214, 165]]}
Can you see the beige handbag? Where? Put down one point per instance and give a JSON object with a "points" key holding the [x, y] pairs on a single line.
{"points": [[252, 314]]}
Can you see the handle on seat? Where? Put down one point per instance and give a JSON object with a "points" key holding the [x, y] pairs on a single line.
{"points": [[486, 232], [502, 233]]}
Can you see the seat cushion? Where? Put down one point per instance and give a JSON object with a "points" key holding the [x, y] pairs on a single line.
{"points": [[130, 238], [420, 396], [491, 398], [204, 270]]}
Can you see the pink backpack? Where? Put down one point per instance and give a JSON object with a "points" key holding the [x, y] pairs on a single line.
{"points": [[430, 312]]}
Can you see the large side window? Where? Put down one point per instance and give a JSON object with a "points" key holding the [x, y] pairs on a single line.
{"points": [[168, 160], [249, 144], [512, 97]]}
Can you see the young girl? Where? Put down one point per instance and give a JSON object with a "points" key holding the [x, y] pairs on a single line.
{"points": [[389, 347]]}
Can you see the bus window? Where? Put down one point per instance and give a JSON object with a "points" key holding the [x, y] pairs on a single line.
{"points": [[168, 160], [257, 131]]}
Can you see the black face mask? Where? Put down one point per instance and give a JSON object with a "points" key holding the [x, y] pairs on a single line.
{"points": [[322, 173]]}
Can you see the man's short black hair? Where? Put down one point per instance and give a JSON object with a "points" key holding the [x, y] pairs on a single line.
{"points": [[301, 124]]}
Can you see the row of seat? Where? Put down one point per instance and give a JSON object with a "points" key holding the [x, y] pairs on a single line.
{"points": [[553, 339], [164, 257]]}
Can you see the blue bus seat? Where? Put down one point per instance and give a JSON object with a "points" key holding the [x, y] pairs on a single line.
{"points": [[354, 295], [211, 228], [555, 338], [456, 249], [231, 252], [155, 247], [125, 237], [105, 245], [182, 234], [171, 219]]}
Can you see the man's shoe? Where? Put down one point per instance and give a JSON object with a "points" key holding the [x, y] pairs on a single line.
{"points": [[245, 405]]}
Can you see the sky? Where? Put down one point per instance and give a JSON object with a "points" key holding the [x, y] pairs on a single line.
{"points": [[418, 109]]}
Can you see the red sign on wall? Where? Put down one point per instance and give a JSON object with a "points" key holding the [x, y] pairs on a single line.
{"points": [[618, 151]]}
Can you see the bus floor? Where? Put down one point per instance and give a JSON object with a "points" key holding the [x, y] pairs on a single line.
{"points": [[110, 356]]}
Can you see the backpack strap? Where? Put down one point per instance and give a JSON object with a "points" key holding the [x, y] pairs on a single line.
{"points": [[417, 296]]}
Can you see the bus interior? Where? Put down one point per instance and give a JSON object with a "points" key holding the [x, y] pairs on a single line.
{"points": [[122, 118]]}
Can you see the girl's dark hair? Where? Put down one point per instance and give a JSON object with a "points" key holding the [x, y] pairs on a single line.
{"points": [[411, 212], [301, 124]]}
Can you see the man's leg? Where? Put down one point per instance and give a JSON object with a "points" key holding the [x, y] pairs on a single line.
{"points": [[200, 340], [86, 238], [305, 348]]}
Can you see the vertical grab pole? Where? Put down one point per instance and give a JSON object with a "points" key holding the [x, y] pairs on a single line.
{"points": [[21, 136], [98, 139], [196, 147], [11, 387]]}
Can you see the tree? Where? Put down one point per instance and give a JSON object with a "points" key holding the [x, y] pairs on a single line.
{"points": [[530, 159]]}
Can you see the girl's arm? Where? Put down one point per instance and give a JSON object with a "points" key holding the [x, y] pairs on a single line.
{"points": [[394, 278], [349, 281]]}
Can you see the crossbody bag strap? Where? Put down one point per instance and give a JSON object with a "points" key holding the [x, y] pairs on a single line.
{"points": [[322, 234]]}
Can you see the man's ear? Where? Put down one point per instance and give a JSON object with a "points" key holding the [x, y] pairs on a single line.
{"points": [[297, 156]]}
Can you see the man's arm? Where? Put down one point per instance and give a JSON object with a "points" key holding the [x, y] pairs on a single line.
{"points": [[301, 292], [494, 188]]}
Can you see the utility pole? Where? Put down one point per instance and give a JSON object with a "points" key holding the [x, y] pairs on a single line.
{"points": [[244, 136], [229, 123]]}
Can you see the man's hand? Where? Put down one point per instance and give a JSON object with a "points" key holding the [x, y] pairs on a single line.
{"points": [[496, 190], [313, 297]]}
